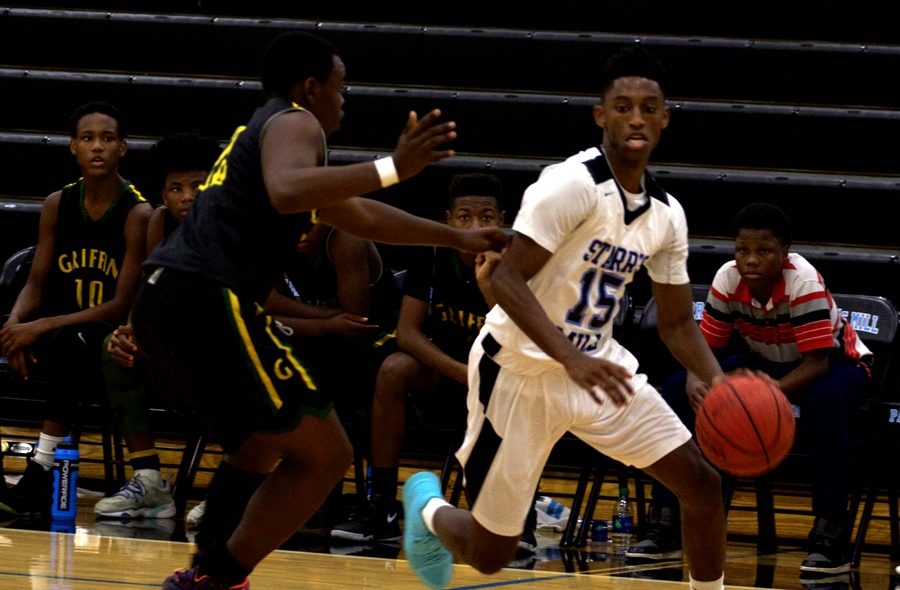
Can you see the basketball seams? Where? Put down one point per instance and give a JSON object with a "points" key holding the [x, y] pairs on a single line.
{"points": [[749, 415], [721, 441]]}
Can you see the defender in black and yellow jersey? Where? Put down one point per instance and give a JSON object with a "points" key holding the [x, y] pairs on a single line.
{"points": [[86, 269], [198, 319]]}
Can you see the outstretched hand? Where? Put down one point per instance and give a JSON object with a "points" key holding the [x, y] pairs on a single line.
{"points": [[418, 143], [350, 325]]}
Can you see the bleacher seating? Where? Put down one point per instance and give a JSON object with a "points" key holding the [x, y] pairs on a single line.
{"points": [[754, 118], [787, 116]]}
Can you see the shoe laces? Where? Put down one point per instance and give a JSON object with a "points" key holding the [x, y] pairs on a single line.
{"points": [[133, 488]]}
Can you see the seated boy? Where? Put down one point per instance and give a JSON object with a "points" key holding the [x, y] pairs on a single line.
{"points": [[778, 303], [182, 162], [445, 298], [87, 264]]}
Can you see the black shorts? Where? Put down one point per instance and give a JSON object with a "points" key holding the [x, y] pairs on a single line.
{"points": [[228, 356]]}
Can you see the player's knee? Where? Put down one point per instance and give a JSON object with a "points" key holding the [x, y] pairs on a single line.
{"points": [[340, 459], [394, 376], [703, 484]]}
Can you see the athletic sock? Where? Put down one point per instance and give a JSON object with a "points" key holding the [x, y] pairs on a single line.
{"points": [[711, 585], [148, 459], [227, 497], [433, 506], [46, 447], [384, 483]]}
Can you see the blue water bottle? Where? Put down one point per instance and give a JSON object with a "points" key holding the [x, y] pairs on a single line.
{"points": [[65, 480]]}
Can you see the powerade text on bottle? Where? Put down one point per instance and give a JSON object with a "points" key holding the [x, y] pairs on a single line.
{"points": [[65, 480]]}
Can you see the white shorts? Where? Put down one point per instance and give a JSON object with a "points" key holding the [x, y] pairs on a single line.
{"points": [[515, 420]]}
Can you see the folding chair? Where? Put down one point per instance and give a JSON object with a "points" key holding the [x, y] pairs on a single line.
{"points": [[875, 321], [13, 276]]}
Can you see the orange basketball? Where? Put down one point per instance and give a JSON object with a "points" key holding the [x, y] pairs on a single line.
{"points": [[745, 425]]}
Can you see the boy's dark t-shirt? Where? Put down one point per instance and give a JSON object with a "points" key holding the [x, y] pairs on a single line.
{"points": [[456, 307]]}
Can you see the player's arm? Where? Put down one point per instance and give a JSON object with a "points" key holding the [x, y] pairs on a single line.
{"points": [[411, 339], [813, 328], [509, 284], [679, 331], [21, 335], [381, 222], [312, 320], [31, 296], [14, 342], [156, 228], [350, 255], [292, 154]]}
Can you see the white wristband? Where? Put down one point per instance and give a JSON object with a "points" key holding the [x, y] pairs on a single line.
{"points": [[387, 173]]}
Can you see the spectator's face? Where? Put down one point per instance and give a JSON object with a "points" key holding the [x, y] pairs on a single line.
{"points": [[180, 191], [328, 102], [760, 257], [97, 146], [472, 212], [632, 115]]}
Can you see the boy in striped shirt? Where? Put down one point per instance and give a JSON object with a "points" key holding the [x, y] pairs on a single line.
{"points": [[779, 305]]}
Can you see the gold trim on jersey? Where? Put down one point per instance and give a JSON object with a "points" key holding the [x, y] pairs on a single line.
{"points": [[280, 371], [251, 351], [220, 168]]}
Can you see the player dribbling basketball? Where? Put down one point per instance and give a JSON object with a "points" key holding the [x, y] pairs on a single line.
{"points": [[546, 361]]}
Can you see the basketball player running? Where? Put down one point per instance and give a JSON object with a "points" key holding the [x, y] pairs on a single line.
{"points": [[197, 320], [545, 362]]}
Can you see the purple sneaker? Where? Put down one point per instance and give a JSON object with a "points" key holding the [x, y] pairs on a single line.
{"points": [[191, 579]]}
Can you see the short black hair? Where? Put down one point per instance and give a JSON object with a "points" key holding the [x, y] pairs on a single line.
{"points": [[475, 183], [763, 216], [97, 106], [632, 60], [181, 152], [293, 57]]}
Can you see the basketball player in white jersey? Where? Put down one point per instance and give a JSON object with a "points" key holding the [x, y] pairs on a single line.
{"points": [[546, 363]]}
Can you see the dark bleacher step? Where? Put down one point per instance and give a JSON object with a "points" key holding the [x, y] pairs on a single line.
{"points": [[544, 60], [527, 124], [825, 208], [777, 20]]}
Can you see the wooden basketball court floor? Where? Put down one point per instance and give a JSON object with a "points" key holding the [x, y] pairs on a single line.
{"points": [[105, 555], [101, 556]]}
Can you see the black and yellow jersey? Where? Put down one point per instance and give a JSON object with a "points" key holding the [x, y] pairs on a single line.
{"points": [[88, 253], [233, 235]]}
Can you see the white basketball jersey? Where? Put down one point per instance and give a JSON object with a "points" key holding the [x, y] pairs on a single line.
{"points": [[576, 210]]}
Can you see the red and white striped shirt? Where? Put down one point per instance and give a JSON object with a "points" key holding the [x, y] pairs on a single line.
{"points": [[799, 317]]}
